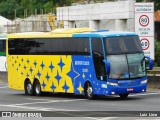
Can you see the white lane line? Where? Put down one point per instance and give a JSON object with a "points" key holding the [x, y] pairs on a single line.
{"points": [[144, 94], [4, 87], [93, 118], [38, 99], [108, 118], [37, 108], [51, 101], [105, 118]]}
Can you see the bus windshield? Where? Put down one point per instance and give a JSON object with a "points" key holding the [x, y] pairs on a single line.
{"points": [[127, 66], [122, 45], [126, 57]]}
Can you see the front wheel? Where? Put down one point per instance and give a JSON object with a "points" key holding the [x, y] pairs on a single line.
{"points": [[89, 91], [28, 88], [123, 96], [37, 88]]}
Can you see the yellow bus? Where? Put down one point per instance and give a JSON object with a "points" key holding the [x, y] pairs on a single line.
{"points": [[77, 60]]}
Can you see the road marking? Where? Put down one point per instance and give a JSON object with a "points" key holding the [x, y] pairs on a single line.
{"points": [[51, 101], [37, 108], [144, 94], [105, 118], [4, 87], [38, 99], [93, 118]]}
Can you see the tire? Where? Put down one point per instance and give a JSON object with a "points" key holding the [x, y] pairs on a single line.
{"points": [[123, 96], [28, 88], [89, 91], [37, 88]]}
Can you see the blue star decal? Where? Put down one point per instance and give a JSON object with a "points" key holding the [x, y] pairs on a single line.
{"points": [[42, 65], [39, 74], [27, 75], [25, 67], [58, 77], [22, 60], [73, 74], [53, 87], [31, 70], [61, 64], [27, 61], [47, 76], [65, 87], [51, 66], [43, 85], [35, 63]]}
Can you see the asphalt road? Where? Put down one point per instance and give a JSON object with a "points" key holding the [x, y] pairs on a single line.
{"points": [[71, 106]]}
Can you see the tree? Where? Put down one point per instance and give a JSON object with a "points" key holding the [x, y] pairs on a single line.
{"points": [[156, 3]]}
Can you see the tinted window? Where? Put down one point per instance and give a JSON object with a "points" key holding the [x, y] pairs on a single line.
{"points": [[122, 45], [2, 45], [49, 46], [97, 45]]}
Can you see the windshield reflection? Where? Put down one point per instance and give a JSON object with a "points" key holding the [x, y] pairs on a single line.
{"points": [[127, 66]]}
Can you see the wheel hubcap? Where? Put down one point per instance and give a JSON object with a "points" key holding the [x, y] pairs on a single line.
{"points": [[29, 88], [89, 91], [37, 89]]}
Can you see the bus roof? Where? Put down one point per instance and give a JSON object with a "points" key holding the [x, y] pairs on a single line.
{"points": [[104, 34], [70, 32]]}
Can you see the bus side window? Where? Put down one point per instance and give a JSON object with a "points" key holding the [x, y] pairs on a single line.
{"points": [[98, 58]]}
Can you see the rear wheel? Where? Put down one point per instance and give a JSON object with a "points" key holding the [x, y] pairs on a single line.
{"points": [[28, 88], [37, 88], [89, 91], [123, 96]]}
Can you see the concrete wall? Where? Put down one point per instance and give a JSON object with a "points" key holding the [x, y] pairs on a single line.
{"points": [[116, 16]]}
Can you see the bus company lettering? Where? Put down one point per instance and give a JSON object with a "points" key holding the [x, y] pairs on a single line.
{"points": [[81, 62]]}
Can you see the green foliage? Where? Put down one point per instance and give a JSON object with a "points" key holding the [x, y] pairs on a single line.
{"points": [[157, 54], [8, 7], [156, 3]]}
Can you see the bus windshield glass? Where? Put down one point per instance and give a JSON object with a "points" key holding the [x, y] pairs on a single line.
{"points": [[122, 45], [126, 57], [127, 66]]}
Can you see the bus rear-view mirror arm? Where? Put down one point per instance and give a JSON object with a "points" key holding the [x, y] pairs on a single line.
{"points": [[150, 61], [107, 65]]}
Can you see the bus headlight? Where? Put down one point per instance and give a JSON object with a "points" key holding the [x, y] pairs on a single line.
{"points": [[143, 81], [113, 84]]}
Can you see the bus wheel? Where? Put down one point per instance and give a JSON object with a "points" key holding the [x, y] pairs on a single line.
{"points": [[37, 88], [123, 96], [89, 91], [28, 88]]}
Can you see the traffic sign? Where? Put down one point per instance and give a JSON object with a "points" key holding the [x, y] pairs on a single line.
{"points": [[144, 20], [145, 43], [144, 26]]}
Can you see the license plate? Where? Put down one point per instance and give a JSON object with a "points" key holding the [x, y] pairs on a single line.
{"points": [[130, 89]]}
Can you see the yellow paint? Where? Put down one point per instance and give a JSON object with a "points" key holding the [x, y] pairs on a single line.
{"points": [[80, 88], [17, 73]]}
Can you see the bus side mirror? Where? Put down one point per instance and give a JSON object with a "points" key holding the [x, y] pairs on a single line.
{"points": [[107, 65], [150, 61]]}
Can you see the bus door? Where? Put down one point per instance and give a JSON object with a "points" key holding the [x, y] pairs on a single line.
{"points": [[98, 57]]}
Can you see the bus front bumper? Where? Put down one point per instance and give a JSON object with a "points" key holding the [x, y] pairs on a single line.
{"points": [[116, 90]]}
